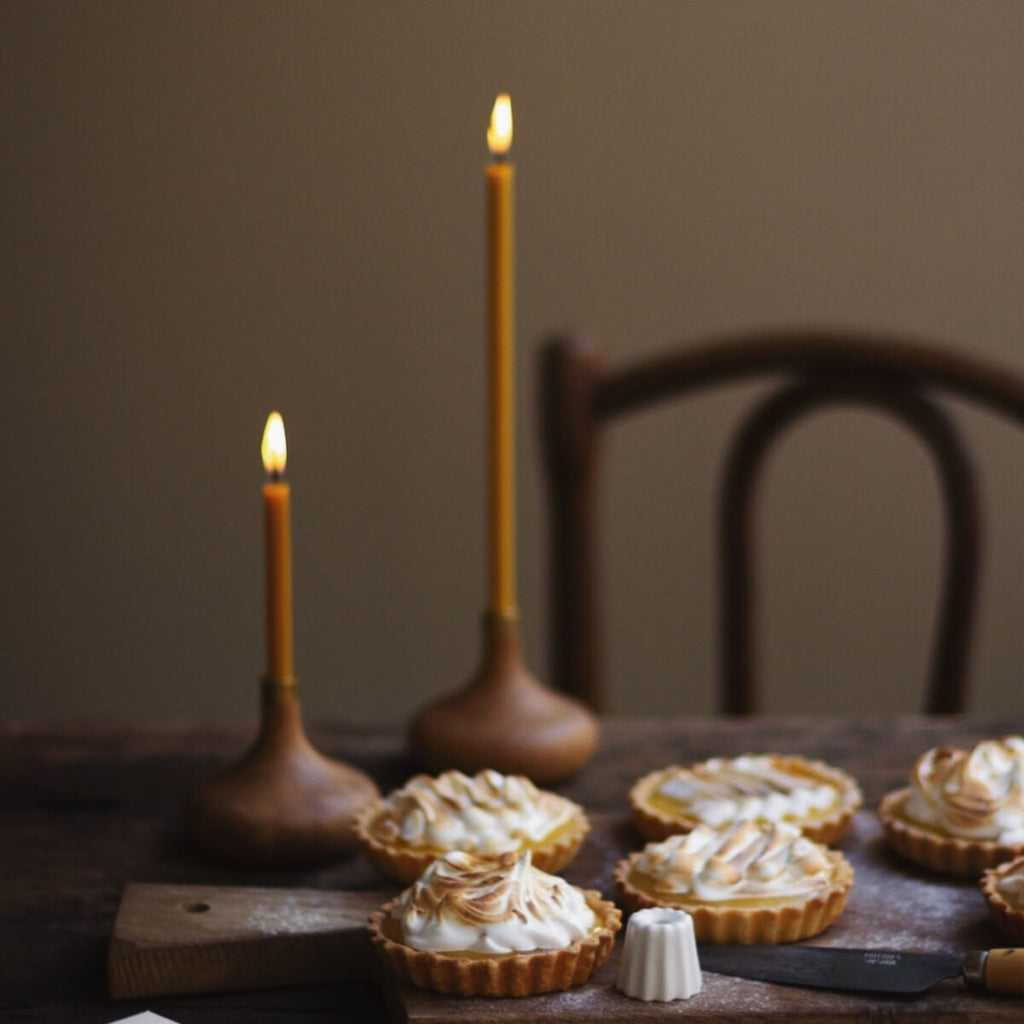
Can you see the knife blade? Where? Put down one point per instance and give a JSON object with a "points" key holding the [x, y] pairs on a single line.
{"points": [[867, 970]]}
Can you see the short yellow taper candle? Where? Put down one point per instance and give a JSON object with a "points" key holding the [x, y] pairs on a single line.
{"points": [[501, 336], [283, 804], [277, 511]]}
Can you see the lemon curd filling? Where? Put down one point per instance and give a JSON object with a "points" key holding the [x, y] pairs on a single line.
{"points": [[478, 844], [748, 788], [488, 813], [650, 886], [746, 864]]}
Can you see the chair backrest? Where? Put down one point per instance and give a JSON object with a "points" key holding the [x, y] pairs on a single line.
{"points": [[907, 378]]}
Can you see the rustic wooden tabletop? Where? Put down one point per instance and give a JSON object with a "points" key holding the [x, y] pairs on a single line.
{"points": [[85, 810]]}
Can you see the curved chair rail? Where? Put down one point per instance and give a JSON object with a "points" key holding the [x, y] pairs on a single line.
{"points": [[904, 377]]}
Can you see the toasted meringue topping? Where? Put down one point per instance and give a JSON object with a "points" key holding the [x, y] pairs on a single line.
{"points": [[1010, 884], [748, 788], [491, 905], [976, 793], [741, 861], [487, 813]]}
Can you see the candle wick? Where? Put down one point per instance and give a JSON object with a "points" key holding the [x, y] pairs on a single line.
{"points": [[275, 476], [500, 157]]}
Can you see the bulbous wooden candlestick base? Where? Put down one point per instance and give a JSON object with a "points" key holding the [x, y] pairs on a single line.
{"points": [[283, 804], [505, 719]]}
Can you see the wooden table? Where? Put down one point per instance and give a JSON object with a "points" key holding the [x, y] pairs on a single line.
{"points": [[84, 811]]}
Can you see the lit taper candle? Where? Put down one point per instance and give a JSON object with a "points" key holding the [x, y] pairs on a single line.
{"points": [[277, 513], [501, 337], [503, 718]]}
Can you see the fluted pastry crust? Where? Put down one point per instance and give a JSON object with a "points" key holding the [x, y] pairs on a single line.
{"points": [[754, 914], [378, 824], [657, 818], [950, 855], [963, 811], [489, 900], [1003, 889]]}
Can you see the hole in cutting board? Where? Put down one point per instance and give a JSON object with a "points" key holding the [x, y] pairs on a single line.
{"points": [[196, 907]]}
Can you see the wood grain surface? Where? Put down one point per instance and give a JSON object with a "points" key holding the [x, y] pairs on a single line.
{"points": [[84, 812], [206, 938]]}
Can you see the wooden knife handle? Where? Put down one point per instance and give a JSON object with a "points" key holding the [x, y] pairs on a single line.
{"points": [[1003, 971]]}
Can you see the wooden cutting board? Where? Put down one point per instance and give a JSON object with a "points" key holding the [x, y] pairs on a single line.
{"points": [[194, 938]]}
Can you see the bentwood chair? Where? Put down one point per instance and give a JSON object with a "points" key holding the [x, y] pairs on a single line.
{"points": [[909, 379]]}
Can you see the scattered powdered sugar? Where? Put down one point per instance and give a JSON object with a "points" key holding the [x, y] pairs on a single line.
{"points": [[893, 905], [897, 905]]}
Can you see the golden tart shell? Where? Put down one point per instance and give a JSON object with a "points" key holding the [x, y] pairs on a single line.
{"points": [[950, 855], [505, 974], [405, 863], [655, 824], [750, 920], [1008, 917]]}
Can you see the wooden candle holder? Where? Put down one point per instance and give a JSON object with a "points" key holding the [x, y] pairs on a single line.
{"points": [[505, 719], [283, 803]]}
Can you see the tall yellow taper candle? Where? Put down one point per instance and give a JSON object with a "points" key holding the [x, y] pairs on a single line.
{"points": [[501, 334], [503, 718], [277, 513]]}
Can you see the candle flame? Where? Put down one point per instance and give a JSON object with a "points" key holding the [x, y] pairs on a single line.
{"points": [[274, 447], [499, 132]]}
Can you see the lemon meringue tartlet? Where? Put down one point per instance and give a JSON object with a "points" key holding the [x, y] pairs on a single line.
{"points": [[750, 882], [494, 926], [1003, 889], [817, 798], [963, 811], [486, 814]]}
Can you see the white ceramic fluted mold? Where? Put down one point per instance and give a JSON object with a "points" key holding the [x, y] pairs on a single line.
{"points": [[659, 956]]}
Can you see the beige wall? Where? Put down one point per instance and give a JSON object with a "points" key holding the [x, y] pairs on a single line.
{"points": [[215, 209]]}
